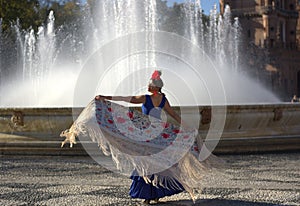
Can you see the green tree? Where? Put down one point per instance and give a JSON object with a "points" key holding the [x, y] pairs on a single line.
{"points": [[67, 13], [27, 11]]}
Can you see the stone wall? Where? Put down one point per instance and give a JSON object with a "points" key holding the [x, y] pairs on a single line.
{"points": [[255, 126]]}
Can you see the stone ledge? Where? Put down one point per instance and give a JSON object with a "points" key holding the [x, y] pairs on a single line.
{"points": [[228, 146]]}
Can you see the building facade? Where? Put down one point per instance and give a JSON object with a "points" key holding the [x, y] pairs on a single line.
{"points": [[271, 39]]}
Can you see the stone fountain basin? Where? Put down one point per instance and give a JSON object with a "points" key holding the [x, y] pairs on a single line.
{"points": [[248, 128]]}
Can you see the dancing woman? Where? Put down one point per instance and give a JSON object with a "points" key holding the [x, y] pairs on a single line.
{"points": [[151, 105], [163, 159]]}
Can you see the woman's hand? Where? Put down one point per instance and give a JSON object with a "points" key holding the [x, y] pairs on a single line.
{"points": [[99, 97]]}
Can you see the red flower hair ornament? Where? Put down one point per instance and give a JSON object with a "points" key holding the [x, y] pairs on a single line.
{"points": [[156, 75], [156, 80]]}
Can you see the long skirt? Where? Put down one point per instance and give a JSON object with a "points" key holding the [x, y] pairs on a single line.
{"points": [[140, 189]]}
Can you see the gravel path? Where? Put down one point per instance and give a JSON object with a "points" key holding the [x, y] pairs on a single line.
{"points": [[264, 180]]}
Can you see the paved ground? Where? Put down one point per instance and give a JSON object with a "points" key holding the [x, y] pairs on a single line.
{"points": [[264, 180]]}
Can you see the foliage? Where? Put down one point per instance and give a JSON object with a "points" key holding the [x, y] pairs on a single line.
{"points": [[33, 13], [27, 11]]}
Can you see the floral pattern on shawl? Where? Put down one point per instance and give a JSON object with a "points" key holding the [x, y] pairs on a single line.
{"points": [[135, 126]]}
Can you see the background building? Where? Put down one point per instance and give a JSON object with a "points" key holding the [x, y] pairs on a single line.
{"points": [[271, 40]]}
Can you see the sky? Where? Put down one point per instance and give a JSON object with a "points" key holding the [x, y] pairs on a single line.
{"points": [[206, 5]]}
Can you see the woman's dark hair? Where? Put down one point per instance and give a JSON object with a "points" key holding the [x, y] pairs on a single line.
{"points": [[161, 92]]}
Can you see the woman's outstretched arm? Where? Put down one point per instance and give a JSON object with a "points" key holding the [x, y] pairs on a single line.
{"points": [[131, 99]]}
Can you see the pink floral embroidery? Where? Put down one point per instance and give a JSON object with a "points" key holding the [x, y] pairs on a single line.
{"points": [[121, 120], [130, 129], [165, 125], [130, 115]]}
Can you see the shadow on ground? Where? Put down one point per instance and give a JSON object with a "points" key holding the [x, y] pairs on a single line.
{"points": [[215, 202]]}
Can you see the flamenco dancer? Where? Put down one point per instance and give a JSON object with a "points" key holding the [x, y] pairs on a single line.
{"points": [[151, 105], [162, 158]]}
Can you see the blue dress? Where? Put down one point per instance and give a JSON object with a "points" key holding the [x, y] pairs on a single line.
{"points": [[139, 188]]}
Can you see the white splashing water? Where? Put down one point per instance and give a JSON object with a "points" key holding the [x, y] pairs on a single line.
{"points": [[48, 77]]}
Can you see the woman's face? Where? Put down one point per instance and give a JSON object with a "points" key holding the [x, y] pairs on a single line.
{"points": [[152, 88]]}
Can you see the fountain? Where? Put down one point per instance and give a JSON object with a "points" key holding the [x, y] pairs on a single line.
{"points": [[62, 68], [43, 65]]}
